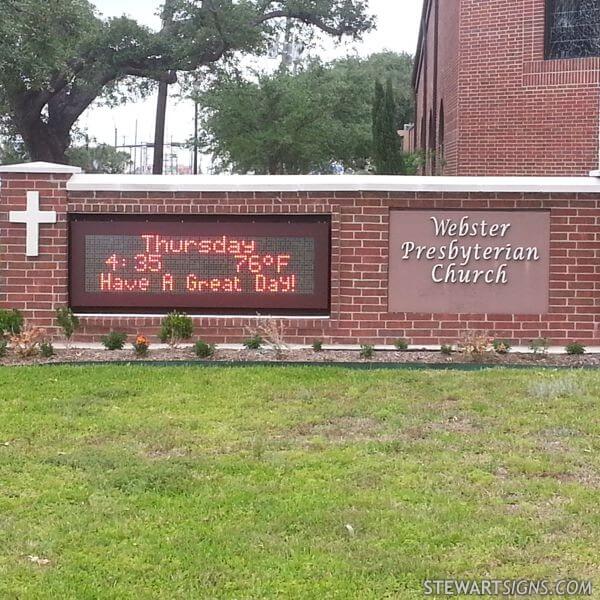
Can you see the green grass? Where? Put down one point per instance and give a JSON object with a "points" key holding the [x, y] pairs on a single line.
{"points": [[138, 482]]}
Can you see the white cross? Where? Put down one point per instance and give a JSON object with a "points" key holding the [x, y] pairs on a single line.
{"points": [[32, 218]]}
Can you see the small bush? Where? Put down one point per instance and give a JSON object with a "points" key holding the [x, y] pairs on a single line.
{"points": [[67, 321], [254, 343], [401, 345], [27, 343], [11, 322], [115, 340], [501, 346], [317, 346], [575, 349], [475, 344], [47, 349], [175, 328], [141, 345], [367, 351], [539, 346], [446, 349], [3, 348], [204, 350]]}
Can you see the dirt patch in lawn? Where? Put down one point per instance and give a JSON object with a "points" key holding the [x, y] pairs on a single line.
{"points": [[340, 430]]}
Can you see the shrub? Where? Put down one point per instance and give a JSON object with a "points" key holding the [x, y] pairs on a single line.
{"points": [[3, 348], [270, 331], [47, 349], [367, 351], [175, 328], [539, 346], [401, 345], [317, 346], [204, 350], [11, 322], [575, 349], [254, 343], [67, 321], [475, 344], [115, 340], [27, 343], [501, 346], [141, 345], [446, 349]]}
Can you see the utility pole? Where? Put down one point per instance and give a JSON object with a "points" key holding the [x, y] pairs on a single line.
{"points": [[159, 129], [196, 136], [290, 51]]}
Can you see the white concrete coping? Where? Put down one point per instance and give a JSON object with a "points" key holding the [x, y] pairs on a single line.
{"points": [[328, 183], [39, 167], [595, 173]]}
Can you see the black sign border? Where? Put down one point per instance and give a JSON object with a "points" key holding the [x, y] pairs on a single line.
{"points": [[318, 304]]}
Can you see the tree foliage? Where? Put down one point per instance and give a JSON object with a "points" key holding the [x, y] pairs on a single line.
{"points": [[387, 152], [58, 56], [285, 123], [99, 159]]}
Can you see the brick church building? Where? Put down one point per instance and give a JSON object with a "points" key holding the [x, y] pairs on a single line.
{"points": [[508, 87]]}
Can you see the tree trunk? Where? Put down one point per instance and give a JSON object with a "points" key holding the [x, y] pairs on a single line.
{"points": [[45, 143], [159, 130]]}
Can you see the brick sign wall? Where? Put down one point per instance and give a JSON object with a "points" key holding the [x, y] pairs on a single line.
{"points": [[367, 229]]}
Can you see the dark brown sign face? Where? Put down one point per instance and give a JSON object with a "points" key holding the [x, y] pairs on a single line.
{"points": [[469, 262], [210, 264]]}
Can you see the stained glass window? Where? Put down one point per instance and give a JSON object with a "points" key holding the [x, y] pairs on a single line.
{"points": [[573, 28]]}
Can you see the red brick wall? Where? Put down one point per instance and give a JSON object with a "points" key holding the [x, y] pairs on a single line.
{"points": [[359, 262], [517, 113], [34, 286], [437, 84]]}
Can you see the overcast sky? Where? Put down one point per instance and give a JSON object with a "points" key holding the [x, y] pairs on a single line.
{"points": [[397, 30]]}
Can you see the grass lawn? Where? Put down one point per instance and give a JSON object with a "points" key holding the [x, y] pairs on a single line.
{"points": [[325, 483]]}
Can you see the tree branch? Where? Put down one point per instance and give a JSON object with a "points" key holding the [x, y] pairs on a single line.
{"points": [[307, 18]]}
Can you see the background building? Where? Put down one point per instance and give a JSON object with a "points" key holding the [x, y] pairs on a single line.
{"points": [[508, 87]]}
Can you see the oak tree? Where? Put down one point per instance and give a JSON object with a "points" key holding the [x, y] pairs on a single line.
{"points": [[58, 56]]}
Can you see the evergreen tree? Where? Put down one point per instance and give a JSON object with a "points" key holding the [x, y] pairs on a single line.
{"points": [[378, 137], [387, 153]]}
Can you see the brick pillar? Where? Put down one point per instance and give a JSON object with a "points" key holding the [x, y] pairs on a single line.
{"points": [[34, 285]]}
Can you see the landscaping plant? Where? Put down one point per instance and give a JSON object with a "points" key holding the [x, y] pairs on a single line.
{"points": [[68, 321], [27, 343], [3, 348], [401, 345], [446, 349], [539, 346], [475, 344], [11, 322], [367, 351], [47, 349], [270, 331], [575, 349], [317, 346], [501, 346], [204, 350], [176, 327], [255, 342], [141, 345], [115, 340]]}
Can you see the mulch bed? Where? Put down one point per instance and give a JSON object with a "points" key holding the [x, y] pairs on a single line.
{"points": [[76, 355]]}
